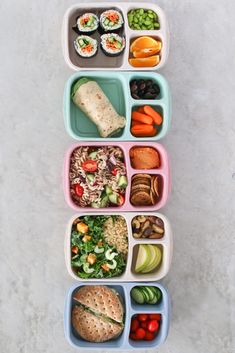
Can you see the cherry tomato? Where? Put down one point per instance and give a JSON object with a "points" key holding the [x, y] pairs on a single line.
{"points": [[75, 249], [89, 166], [143, 324], [153, 325], [134, 325], [142, 317], [121, 200], [155, 317], [149, 336], [114, 171], [79, 190], [140, 333], [133, 336]]}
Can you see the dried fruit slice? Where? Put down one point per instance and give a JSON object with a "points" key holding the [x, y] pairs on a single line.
{"points": [[145, 62]]}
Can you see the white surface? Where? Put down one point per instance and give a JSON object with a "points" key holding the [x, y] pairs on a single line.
{"points": [[34, 279]]}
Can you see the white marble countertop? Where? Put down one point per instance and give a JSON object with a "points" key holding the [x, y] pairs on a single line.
{"points": [[201, 145]]}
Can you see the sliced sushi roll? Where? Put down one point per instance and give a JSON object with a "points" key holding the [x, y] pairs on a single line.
{"points": [[87, 23], [112, 44], [85, 46], [111, 20]]}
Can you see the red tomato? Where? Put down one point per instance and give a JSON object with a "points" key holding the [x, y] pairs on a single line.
{"points": [[153, 325], [121, 200], [149, 336], [143, 324], [142, 317], [89, 166], [114, 171], [75, 249], [134, 325], [140, 333], [79, 190], [155, 317], [133, 336]]}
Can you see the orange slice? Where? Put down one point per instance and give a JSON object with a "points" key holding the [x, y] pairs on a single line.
{"points": [[145, 62], [144, 53], [144, 43]]}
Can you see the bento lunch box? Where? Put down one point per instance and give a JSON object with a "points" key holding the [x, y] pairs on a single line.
{"points": [[101, 61], [123, 342], [163, 172], [166, 243], [116, 86]]}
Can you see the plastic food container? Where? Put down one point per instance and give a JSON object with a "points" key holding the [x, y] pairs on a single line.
{"points": [[101, 61], [162, 172], [166, 243], [122, 342], [116, 86]]}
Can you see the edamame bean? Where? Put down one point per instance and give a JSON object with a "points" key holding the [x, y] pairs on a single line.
{"points": [[143, 19]]}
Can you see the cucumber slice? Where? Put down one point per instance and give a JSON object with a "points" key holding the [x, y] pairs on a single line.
{"points": [[91, 178], [151, 294], [153, 301], [145, 294], [157, 292], [122, 182], [106, 22], [93, 155], [137, 295], [108, 190], [113, 198]]}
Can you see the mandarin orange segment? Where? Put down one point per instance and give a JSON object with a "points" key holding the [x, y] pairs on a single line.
{"points": [[145, 62], [144, 53], [144, 43]]}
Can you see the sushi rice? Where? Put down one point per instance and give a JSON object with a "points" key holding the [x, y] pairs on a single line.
{"points": [[111, 20], [85, 46], [88, 22], [112, 44]]}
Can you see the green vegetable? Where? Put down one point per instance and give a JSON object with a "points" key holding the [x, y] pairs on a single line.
{"points": [[122, 182], [90, 177], [146, 295], [113, 198], [142, 19], [98, 246], [108, 190], [93, 155]]}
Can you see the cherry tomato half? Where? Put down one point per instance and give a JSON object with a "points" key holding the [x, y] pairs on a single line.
{"points": [[114, 171], [143, 324], [153, 325], [155, 317], [79, 190], [134, 325], [89, 166], [75, 249], [142, 317], [140, 333], [121, 200], [149, 336]]}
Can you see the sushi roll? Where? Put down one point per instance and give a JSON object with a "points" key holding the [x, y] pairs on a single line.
{"points": [[112, 44], [87, 23], [85, 46], [111, 20]]}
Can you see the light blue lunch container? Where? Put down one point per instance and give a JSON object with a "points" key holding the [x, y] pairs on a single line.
{"points": [[123, 342], [116, 86]]}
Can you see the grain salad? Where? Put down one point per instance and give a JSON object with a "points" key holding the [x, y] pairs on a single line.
{"points": [[115, 233]]}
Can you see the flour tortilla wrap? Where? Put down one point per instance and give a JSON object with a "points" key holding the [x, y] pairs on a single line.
{"points": [[90, 98]]}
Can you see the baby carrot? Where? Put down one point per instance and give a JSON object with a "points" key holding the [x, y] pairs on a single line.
{"points": [[140, 133], [157, 118], [143, 130], [142, 118], [133, 122]]}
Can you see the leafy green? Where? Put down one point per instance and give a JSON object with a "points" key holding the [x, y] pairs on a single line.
{"points": [[95, 225]]}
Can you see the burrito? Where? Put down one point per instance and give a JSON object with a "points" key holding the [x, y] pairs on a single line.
{"points": [[89, 97]]}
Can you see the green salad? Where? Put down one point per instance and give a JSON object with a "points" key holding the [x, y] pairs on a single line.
{"points": [[92, 256]]}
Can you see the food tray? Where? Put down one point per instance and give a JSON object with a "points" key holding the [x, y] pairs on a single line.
{"points": [[128, 276], [122, 342], [163, 172], [100, 61], [116, 86]]}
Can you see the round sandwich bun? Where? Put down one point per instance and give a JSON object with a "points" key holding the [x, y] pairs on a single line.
{"points": [[98, 313], [94, 328]]}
